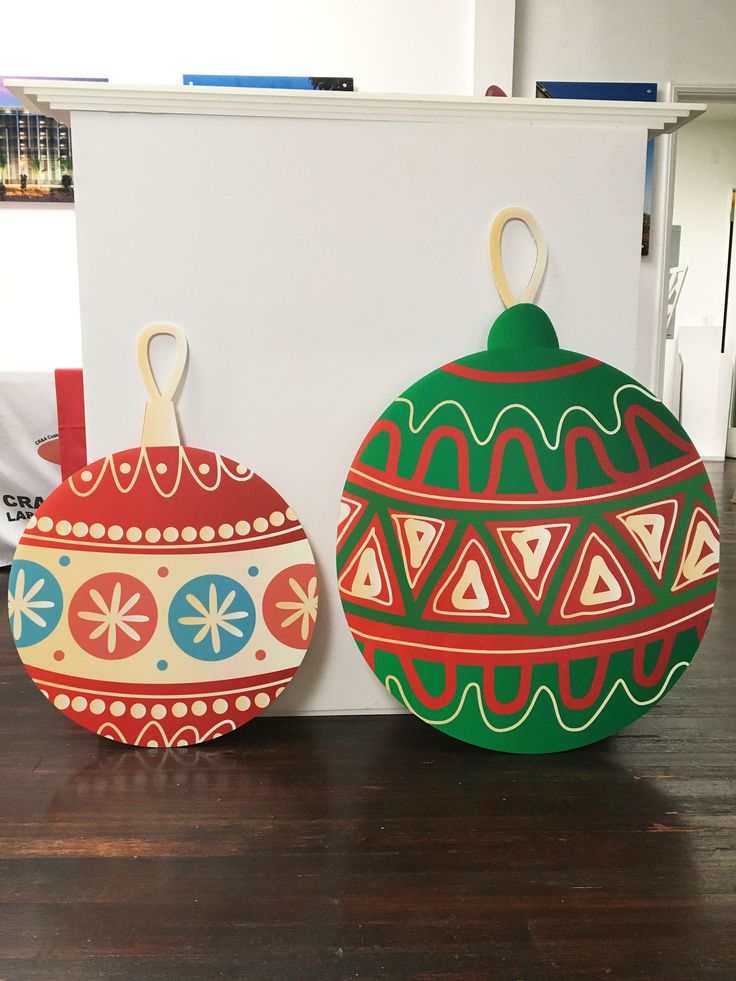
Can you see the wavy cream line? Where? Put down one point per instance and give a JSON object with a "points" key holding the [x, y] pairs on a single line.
{"points": [[543, 688], [110, 725], [143, 459], [516, 405], [167, 743]]}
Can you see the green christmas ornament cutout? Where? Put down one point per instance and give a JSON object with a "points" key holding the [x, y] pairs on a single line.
{"points": [[527, 547]]}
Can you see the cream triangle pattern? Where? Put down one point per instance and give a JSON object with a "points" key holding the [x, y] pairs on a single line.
{"points": [[701, 554], [350, 510], [649, 530], [607, 571], [469, 595], [418, 538], [598, 573], [469, 592], [531, 546], [371, 574]]}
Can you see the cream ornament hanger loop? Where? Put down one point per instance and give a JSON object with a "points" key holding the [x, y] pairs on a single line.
{"points": [[159, 423], [494, 248]]}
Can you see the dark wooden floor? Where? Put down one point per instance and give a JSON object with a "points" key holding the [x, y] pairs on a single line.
{"points": [[375, 847]]}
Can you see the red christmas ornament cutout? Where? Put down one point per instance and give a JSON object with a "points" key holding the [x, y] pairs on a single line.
{"points": [[163, 595]]}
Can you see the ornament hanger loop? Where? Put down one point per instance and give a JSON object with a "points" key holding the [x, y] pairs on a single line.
{"points": [[494, 249], [159, 423]]}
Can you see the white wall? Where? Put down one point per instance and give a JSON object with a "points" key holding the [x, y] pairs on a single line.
{"points": [[705, 176], [628, 40], [706, 173], [706, 389], [386, 45], [624, 40]]}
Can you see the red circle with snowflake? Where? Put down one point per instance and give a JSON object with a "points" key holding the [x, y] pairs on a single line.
{"points": [[113, 616], [290, 605]]}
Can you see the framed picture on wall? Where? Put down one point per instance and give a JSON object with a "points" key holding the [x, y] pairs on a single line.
{"points": [[613, 92], [35, 152]]}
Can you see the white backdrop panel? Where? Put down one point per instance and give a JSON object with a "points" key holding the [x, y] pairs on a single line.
{"points": [[318, 268]]}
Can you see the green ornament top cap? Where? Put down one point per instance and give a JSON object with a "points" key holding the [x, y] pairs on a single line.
{"points": [[523, 325]]}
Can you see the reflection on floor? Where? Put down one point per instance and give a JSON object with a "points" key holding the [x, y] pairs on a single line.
{"points": [[375, 847]]}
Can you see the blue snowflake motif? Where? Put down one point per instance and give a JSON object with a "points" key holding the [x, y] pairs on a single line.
{"points": [[211, 618], [35, 602]]}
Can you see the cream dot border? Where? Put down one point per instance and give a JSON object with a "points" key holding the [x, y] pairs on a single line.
{"points": [[207, 534], [141, 708]]}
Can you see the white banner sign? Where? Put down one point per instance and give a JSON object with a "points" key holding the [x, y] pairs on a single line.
{"points": [[29, 451]]}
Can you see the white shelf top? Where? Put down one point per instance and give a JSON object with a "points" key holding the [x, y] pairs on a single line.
{"points": [[60, 99]]}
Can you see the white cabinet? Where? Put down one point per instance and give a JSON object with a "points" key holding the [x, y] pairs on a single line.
{"points": [[324, 250]]}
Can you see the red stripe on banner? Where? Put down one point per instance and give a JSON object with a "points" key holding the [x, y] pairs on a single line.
{"points": [[543, 374], [70, 412]]}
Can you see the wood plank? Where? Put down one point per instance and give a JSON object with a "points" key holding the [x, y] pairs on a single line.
{"points": [[375, 847]]}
